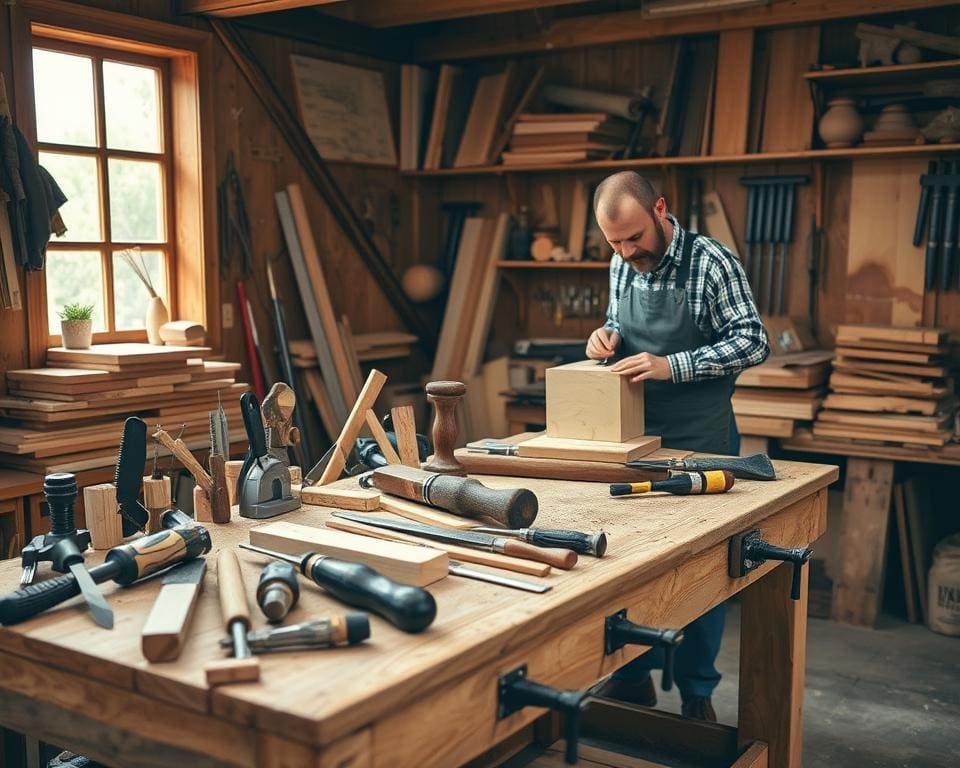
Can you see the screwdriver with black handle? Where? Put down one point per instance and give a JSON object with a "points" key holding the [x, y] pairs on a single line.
{"points": [[409, 608], [582, 543], [124, 564]]}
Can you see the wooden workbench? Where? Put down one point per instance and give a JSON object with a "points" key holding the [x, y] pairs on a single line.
{"points": [[428, 699]]}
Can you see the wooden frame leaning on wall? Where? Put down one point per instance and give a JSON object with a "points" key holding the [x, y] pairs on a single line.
{"points": [[190, 56]]}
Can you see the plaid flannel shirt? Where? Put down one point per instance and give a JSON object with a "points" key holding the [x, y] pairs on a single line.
{"points": [[719, 298]]}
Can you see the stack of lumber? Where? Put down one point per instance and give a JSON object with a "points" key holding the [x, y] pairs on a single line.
{"points": [[69, 415], [890, 385], [566, 137], [772, 397]]}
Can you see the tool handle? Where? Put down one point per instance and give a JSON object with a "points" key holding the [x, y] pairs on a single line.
{"points": [[558, 558], [410, 608], [27, 602], [749, 237], [253, 424], [924, 204], [582, 543], [786, 233], [219, 496], [949, 231], [233, 597], [933, 237], [155, 552], [514, 508]]}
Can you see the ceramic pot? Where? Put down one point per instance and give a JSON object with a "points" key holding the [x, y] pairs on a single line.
{"points": [[156, 316], [841, 125], [894, 117], [77, 334]]}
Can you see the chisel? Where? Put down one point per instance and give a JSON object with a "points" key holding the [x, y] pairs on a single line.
{"points": [[558, 558], [456, 568], [410, 608], [582, 543], [757, 466], [934, 232], [466, 497], [749, 233], [329, 632], [683, 484]]}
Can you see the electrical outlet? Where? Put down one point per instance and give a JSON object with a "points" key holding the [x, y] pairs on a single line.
{"points": [[226, 315]]}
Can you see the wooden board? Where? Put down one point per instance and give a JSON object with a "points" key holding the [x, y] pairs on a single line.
{"points": [[717, 224], [882, 421], [801, 370], [478, 319], [127, 354], [422, 513], [906, 561], [434, 149], [356, 499], [888, 403], [884, 269], [732, 93], [788, 108], [886, 334], [777, 403], [764, 426], [921, 526], [923, 358], [577, 228], [844, 382], [546, 447], [408, 564], [879, 435]]}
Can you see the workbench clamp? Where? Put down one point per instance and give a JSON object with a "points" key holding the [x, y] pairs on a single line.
{"points": [[749, 551], [619, 631], [515, 692]]}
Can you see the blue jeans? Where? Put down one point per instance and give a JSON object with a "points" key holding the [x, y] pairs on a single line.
{"points": [[694, 660]]}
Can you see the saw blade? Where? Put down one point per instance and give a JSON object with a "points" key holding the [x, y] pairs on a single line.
{"points": [[128, 476], [219, 434]]}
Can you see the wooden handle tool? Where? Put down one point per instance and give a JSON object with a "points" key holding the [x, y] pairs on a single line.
{"points": [[243, 667], [179, 449], [445, 396], [516, 508], [219, 494]]}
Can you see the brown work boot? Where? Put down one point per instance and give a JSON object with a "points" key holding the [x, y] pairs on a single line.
{"points": [[698, 708], [643, 694]]}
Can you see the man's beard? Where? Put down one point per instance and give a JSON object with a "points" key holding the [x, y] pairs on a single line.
{"points": [[646, 261]]}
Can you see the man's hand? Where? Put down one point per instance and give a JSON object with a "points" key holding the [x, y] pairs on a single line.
{"points": [[642, 367], [602, 344]]}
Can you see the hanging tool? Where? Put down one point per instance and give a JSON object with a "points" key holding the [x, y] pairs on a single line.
{"points": [[286, 369], [457, 213], [163, 634], [234, 226], [949, 226], [750, 234], [765, 271], [242, 668], [278, 590], [935, 228], [558, 558], [784, 236], [124, 564], [328, 632], [263, 487], [251, 341], [681, 484], [581, 543], [924, 204], [409, 608], [466, 497], [128, 476], [754, 467], [456, 568], [64, 541]]}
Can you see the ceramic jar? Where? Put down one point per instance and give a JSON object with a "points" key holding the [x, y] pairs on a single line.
{"points": [[76, 334], [841, 125], [156, 316]]}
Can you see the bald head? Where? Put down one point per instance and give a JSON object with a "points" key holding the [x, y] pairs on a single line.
{"points": [[612, 191]]}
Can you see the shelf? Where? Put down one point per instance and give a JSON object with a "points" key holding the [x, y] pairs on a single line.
{"points": [[668, 162], [895, 74], [506, 264]]}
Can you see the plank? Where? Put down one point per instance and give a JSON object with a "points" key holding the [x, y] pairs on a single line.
{"points": [[479, 319], [380, 435], [920, 525], [352, 426], [577, 228], [434, 148], [395, 560], [732, 92], [891, 421], [858, 584], [422, 513], [887, 334], [546, 447], [780, 371], [884, 284], [483, 119], [922, 358], [405, 428], [906, 561], [764, 426], [880, 434], [126, 354], [773, 640], [865, 384], [788, 108], [355, 499], [496, 379], [717, 224], [887, 403]]}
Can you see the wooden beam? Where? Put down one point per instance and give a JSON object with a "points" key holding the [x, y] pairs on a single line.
{"points": [[231, 8], [319, 174], [377, 13], [621, 26]]}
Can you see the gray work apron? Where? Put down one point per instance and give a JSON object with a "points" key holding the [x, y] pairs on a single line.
{"points": [[697, 415]]}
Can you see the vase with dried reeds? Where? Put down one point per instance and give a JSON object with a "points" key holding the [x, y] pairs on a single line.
{"points": [[157, 313]]}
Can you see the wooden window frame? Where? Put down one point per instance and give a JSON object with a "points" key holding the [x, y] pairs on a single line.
{"points": [[194, 282], [108, 246]]}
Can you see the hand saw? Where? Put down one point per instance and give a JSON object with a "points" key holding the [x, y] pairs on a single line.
{"points": [[128, 477]]}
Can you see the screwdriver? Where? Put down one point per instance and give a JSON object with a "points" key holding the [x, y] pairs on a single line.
{"points": [[681, 484], [583, 543], [410, 608], [328, 632], [124, 564]]}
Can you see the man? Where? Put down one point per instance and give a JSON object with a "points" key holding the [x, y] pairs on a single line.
{"points": [[682, 320]]}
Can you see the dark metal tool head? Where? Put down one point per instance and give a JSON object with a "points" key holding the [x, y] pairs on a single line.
{"points": [[128, 477]]}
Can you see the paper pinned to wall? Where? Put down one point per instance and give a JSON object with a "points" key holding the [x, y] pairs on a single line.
{"points": [[344, 111]]}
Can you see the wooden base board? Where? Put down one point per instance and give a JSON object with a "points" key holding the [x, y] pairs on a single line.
{"points": [[357, 500], [764, 426], [546, 447]]}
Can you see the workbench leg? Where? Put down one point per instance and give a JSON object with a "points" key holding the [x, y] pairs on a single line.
{"points": [[773, 642], [858, 586]]}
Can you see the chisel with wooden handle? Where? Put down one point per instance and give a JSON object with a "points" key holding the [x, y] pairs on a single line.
{"points": [[558, 558], [516, 508], [243, 667]]}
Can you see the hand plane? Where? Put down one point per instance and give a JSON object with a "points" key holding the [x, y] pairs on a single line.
{"points": [[263, 486]]}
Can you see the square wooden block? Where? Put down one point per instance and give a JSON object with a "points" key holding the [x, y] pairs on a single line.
{"points": [[586, 401]]}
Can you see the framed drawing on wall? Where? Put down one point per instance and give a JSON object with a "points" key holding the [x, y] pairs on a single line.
{"points": [[344, 111]]}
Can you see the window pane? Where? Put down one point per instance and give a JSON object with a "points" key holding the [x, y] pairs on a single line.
{"points": [[80, 182], [74, 277], [129, 294], [136, 201], [131, 96], [63, 91]]}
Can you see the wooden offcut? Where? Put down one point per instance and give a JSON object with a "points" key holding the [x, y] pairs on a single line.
{"points": [[405, 428], [546, 447], [587, 401], [408, 564], [356, 499], [422, 513], [102, 515]]}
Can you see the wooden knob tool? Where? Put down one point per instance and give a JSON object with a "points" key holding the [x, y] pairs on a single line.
{"points": [[445, 396]]}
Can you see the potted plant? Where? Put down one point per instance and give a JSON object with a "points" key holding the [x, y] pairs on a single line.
{"points": [[76, 325]]}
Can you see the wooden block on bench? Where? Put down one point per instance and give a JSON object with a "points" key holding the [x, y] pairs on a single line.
{"points": [[586, 401], [546, 447]]}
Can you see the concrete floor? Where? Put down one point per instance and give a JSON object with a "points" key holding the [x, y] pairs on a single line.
{"points": [[875, 698]]}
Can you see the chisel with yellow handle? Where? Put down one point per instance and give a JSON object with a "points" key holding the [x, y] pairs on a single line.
{"points": [[687, 483]]}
